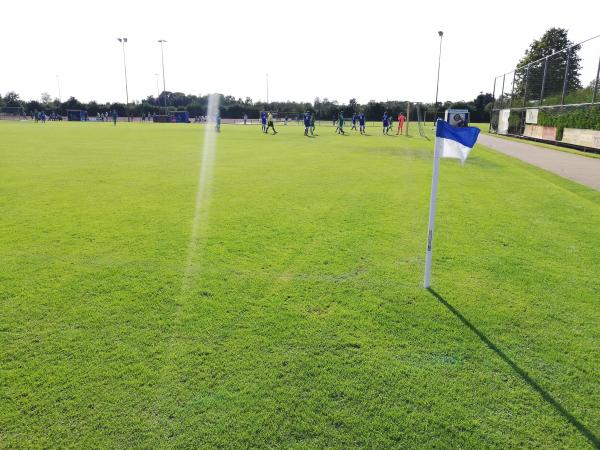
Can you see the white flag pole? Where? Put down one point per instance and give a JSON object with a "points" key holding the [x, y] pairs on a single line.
{"points": [[432, 202]]}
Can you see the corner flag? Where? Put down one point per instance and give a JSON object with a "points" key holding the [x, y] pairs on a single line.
{"points": [[455, 142], [450, 142]]}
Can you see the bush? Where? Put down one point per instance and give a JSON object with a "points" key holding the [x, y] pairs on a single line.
{"points": [[587, 118]]}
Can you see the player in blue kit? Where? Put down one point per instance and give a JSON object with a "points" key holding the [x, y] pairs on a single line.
{"points": [[354, 117], [361, 122], [386, 123], [306, 123], [263, 121]]}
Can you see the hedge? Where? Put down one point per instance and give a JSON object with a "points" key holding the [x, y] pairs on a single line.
{"points": [[587, 118]]}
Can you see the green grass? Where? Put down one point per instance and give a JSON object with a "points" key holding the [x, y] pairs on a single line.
{"points": [[302, 321]]}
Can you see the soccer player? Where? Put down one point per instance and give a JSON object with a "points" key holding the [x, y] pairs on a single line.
{"points": [[340, 126], [218, 123], [401, 120], [386, 122], [312, 124], [361, 122], [114, 116], [353, 122], [306, 122], [263, 121], [270, 123]]}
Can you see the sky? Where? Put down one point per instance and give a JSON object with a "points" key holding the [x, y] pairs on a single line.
{"points": [[327, 49]]}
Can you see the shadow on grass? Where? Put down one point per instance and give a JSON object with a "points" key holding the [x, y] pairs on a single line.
{"points": [[591, 437]]}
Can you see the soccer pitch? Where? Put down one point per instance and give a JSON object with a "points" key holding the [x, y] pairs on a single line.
{"points": [[299, 320]]}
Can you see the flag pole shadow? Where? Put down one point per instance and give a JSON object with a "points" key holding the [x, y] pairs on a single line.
{"points": [[591, 437]]}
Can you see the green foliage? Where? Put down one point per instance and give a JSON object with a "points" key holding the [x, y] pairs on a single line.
{"points": [[299, 320], [587, 118], [553, 41], [12, 99], [34, 105], [583, 95], [232, 107]]}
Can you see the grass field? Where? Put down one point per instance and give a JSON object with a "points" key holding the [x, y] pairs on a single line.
{"points": [[297, 317]]}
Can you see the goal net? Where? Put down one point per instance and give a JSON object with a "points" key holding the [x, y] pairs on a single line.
{"points": [[12, 113], [420, 121]]}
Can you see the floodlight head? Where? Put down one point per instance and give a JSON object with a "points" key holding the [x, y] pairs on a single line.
{"points": [[124, 39], [161, 41], [119, 39], [440, 33]]}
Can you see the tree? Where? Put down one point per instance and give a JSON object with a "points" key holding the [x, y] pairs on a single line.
{"points": [[12, 99], [33, 105], [482, 100], [481, 107], [531, 75], [92, 108], [177, 99], [161, 98], [374, 110], [353, 105], [121, 108], [46, 98], [72, 103]]}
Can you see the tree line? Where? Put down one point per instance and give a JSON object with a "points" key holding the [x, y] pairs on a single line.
{"points": [[235, 108]]}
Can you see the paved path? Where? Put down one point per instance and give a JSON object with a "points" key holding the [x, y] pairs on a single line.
{"points": [[580, 169]]}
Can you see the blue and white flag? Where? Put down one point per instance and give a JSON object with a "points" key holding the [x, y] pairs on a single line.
{"points": [[450, 142], [454, 142]]}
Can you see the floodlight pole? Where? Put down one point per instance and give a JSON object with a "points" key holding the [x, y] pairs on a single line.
{"points": [[58, 84], [596, 83], [162, 58], [267, 89], [493, 104], [437, 86], [157, 89], [566, 80], [123, 41]]}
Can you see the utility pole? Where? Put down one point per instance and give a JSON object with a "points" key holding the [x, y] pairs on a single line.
{"points": [[162, 58], [58, 84], [267, 88], [123, 41], [437, 86]]}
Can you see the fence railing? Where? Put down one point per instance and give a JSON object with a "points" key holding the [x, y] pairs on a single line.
{"points": [[569, 76]]}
